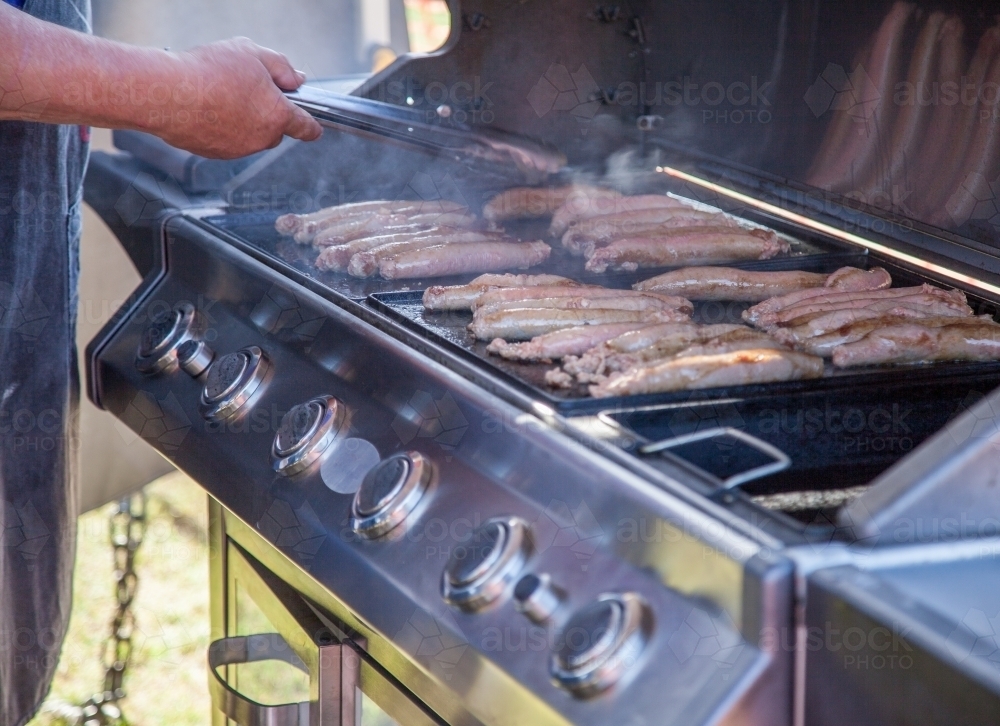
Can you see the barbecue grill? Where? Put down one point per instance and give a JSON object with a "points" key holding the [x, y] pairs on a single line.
{"points": [[427, 534]]}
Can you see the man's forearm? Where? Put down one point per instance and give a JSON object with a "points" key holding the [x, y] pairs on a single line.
{"points": [[222, 99], [54, 75]]}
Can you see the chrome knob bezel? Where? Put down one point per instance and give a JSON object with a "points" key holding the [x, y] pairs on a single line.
{"points": [[228, 403], [612, 655], [163, 356], [401, 501], [194, 357], [493, 577], [311, 447]]}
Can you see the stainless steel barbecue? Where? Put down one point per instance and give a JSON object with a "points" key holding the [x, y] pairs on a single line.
{"points": [[419, 532]]}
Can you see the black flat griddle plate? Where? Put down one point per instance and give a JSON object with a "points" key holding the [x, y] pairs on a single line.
{"points": [[448, 329], [257, 229]]}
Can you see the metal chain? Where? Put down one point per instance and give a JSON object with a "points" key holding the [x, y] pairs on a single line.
{"points": [[127, 528]]}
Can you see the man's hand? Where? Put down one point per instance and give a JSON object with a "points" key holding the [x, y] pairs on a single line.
{"points": [[222, 100], [236, 106]]}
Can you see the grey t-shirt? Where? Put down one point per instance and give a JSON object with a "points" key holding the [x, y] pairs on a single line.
{"points": [[41, 177]]}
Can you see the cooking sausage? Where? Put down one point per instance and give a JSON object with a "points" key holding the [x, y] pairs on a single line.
{"points": [[741, 368], [917, 343], [526, 295], [536, 202], [365, 264], [463, 258], [552, 346], [684, 246], [610, 227], [727, 283], [527, 323], [336, 258], [580, 208], [360, 226], [462, 297]]}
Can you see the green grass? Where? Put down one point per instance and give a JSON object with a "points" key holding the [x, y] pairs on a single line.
{"points": [[166, 683]]}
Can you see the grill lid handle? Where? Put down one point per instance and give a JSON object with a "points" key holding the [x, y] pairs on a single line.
{"points": [[685, 447]]}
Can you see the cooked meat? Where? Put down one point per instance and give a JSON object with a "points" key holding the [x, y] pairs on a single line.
{"points": [[743, 340], [740, 368], [536, 202], [335, 258], [372, 224], [684, 246], [933, 298], [527, 323], [816, 324], [727, 283], [639, 339], [650, 222], [915, 343], [558, 378], [365, 264], [494, 297], [680, 345], [770, 309], [289, 224], [824, 344], [633, 301], [552, 346], [824, 322], [579, 208], [462, 258], [462, 297], [651, 343], [851, 279], [305, 227]]}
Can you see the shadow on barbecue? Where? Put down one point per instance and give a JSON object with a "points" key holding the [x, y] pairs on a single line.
{"points": [[836, 443]]}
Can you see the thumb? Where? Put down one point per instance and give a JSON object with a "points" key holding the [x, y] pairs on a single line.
{"points": [[301, 125]]}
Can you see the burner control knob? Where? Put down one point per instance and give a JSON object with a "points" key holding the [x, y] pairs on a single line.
{"points": [[389, 494], [232, 381], [194, 357], [306, 431], [481, 571], [600, 643], [160, 341]]}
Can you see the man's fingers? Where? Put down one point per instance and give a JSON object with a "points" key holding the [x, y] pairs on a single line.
{"points": [[285, 77], [302, 126]]}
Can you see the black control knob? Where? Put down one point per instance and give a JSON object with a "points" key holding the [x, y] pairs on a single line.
{"points": [[232, 381], [600, 643], [305, 433], [482, 570], [163, 337], [389, 494]]}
